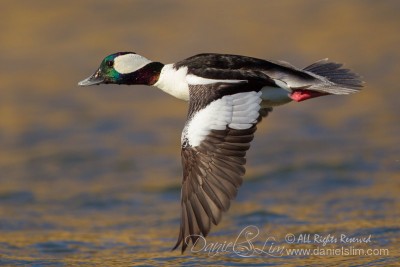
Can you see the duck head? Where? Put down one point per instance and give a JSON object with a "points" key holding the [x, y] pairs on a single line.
{"points": [[125, 68]]}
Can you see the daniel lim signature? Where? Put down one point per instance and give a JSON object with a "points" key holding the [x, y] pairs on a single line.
{"points": [[243, 246]]}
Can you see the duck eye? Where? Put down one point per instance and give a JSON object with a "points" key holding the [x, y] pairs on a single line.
{"points": [[110, 63]]}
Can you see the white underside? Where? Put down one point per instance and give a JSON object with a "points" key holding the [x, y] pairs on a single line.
{"points": [[176, 83], [238, 111], [274, 96]]}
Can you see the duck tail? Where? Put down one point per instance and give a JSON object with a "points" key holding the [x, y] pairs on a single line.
{"points": [[345, 81]]}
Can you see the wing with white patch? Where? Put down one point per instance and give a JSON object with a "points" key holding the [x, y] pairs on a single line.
{"points": [[214, 144]]}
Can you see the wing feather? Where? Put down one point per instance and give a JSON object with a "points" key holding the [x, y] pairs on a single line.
{"points": [[213, 169]]}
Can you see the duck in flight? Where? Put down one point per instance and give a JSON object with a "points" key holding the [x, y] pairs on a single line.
{"points": [[228, 95]]}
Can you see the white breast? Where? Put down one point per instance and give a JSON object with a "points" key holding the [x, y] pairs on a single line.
{"points": [[173, 82]]}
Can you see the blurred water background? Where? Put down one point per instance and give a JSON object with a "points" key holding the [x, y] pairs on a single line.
{"points": [[91, 176]]}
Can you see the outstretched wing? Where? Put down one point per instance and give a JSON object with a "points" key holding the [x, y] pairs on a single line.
{"points": [[214, 141]]}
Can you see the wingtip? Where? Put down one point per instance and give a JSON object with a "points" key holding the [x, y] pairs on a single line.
{"points": [[176, 246], [180, 242]]}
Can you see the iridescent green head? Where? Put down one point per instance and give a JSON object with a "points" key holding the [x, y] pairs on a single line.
{"points": [[125, 68]]}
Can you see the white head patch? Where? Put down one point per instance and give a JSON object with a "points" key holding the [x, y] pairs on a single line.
{"points": [[129, 63]]}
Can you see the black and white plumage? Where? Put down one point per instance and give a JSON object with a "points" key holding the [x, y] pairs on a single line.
{"points": [[228, 95]]}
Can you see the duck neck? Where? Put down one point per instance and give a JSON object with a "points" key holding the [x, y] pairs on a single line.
{"points": [[148, 75]]}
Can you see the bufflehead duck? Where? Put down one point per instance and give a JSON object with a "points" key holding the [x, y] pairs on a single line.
{"points": [[228, 95]]}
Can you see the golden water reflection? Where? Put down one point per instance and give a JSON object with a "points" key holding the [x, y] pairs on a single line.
{"points": [[91, 176]]}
